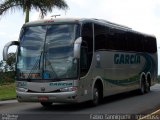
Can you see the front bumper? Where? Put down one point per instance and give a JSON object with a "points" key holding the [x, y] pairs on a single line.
{"points": [[60, 97]]}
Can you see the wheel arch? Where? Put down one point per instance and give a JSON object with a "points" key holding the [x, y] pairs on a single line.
{"points": [[98, 81]]}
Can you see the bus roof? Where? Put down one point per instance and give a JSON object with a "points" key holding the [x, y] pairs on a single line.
{"points": [[83, 20], [52, 21]]}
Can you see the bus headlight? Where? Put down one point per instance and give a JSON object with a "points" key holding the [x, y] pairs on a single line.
{"points": [[68, 89], [22, 89]]}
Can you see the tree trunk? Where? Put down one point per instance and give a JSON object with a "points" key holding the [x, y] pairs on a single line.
{"points": [[27, 14]]}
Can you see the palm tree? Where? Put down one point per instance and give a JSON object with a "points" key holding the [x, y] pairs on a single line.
{"points": [[27, 5]]}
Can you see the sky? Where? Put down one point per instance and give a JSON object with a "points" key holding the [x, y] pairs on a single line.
{"points": [[140, 15]]}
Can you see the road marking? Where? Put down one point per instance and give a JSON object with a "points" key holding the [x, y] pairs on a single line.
{"points": [[149, 115]]}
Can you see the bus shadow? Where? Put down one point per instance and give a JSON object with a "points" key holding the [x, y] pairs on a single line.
{"points": [[121, 96], [87, 105]]}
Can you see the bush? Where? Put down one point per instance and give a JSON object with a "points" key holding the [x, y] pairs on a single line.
{"points": [[7, 77]]}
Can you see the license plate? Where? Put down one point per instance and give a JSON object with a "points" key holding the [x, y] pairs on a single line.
{"points": [[43, 98]]}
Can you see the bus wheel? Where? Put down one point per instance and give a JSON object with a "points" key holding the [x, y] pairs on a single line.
{"points": [[96, 96], [147, 86], [143, 87], [46, 104]]}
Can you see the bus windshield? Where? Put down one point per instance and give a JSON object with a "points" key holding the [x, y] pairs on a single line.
{"points": [[46, 52]]}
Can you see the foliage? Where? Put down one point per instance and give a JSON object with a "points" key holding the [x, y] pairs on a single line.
{"points": [[27, 5], [7, 77], [8, 65], [7, 69], [11, 61]]}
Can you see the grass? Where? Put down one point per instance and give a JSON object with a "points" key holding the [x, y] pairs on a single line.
{"points": [[7, 91]]}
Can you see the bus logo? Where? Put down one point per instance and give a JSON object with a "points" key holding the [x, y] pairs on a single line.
{"points": [[42, 89]]}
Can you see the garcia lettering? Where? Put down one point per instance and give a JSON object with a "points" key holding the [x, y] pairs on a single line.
{"points": [[127, 59]]}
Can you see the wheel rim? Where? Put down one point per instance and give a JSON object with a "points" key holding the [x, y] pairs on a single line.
{"points": [[96, 96]]}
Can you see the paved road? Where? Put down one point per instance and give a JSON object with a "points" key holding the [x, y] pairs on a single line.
{"points": [[123, 104]]}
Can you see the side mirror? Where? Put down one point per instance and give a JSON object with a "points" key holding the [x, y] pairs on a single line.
{"points": [[6, 47], [77, 47]]}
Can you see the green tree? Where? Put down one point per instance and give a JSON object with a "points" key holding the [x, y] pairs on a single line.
{"points": [[1, 65], [27, 5], [11, 61]]}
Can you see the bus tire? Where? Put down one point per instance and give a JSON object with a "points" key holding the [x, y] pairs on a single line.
{"points": [[96, 96], [142, 86], [46, 104], [147, 86]]}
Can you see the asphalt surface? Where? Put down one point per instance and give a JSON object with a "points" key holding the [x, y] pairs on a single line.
{"points": [[123, 106]]}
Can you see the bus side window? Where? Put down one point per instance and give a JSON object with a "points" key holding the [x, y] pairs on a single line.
{"points": [[100, 37], [86, 49]]}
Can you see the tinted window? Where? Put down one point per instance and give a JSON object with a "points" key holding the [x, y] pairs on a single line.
{"points": [[115, 39], [100, 33], [150, 44], [87, 36], [86, 48]]}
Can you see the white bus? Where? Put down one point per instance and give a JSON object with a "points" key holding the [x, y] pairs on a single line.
{"points": [[77, 60]]}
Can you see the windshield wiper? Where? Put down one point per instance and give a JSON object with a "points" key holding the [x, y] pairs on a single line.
{"points": [[35, 66], [43, 71], [52, 69]]}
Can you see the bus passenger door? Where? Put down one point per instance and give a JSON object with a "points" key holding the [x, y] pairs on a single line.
{"points": [[86, 77]]}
